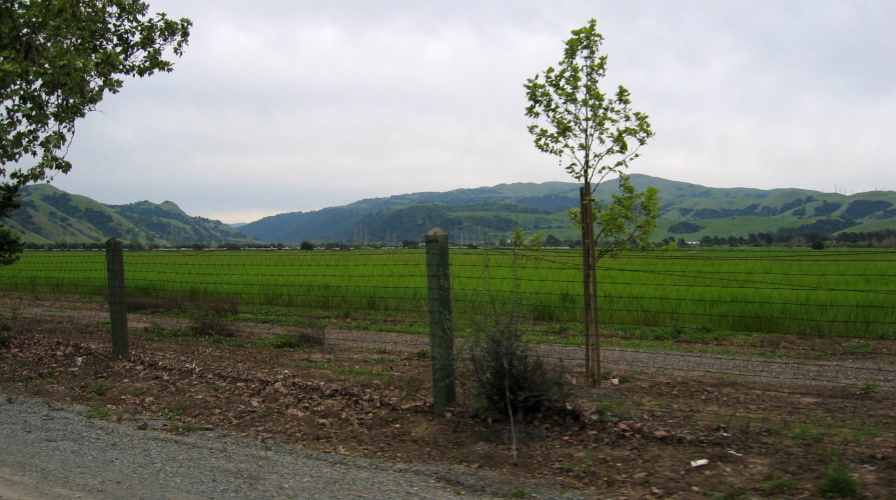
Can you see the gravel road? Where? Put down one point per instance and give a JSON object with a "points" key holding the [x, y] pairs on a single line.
{"points": [[50, 450]]}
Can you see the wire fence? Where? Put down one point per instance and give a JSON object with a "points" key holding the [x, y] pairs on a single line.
{"points": [[798, 324]]}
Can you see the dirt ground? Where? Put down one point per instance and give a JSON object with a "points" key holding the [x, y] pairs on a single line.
{"points": [[650, 436]]}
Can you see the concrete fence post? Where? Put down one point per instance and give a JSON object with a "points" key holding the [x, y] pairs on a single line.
{"points": [[117, 309], [441, 328]]}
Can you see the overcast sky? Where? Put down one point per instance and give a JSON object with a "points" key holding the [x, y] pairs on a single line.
{"points": [[284, 106]]}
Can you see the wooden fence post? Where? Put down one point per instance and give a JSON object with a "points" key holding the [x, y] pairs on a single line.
{"points": [[117, 310], [441, 329]]}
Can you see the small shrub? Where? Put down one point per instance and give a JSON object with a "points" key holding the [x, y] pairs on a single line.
{"points": [[413, 356], [154, 330], [5, 340], [98, 388], [518, 493], [300, 339], [508, 375], [868, 389], [211, 327], [222, 308], [153, 305], [777, 487], [838, 483]]}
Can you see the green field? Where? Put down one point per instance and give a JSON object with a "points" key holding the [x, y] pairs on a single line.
{"points": [[817, 293]]}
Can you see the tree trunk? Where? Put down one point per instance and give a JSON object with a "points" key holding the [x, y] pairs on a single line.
{"points": [[589, 288]]}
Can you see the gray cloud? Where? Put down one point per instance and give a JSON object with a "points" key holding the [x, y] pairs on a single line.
{"points": [[285, 106]]}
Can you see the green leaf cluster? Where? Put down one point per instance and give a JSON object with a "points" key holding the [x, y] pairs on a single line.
{"points": [[58, 59], [593, 132]]}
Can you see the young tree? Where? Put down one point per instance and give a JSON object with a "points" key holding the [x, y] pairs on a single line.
{"points": [[58, 58], [595, 135]]}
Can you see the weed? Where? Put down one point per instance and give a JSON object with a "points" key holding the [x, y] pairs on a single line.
{"points": [[154, 330], [98, 388], [223, 308], [231, 341], [413, 356], [380, 350], [296, 340], [868, 389], [211, 327], [363, 373], [182, 428], [838, 483], [807, 433], [153, 305], [99, 413], [775, 485], [381, 359], [731, 493], [857, 347], [518, 493]]}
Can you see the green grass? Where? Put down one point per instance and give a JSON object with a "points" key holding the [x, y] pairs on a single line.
{"points": [[697, 296]]}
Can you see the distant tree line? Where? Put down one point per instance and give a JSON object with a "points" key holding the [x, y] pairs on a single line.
{"points": [[869, 239], [866, 239]]}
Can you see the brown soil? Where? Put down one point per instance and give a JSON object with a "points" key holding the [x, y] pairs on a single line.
{"points": [[634, 440]]}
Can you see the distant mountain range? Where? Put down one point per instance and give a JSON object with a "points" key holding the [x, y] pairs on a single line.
{"points": [[689, 212], [50, 215]]}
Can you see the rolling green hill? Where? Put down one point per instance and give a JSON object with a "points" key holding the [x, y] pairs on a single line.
{"points": [[50, 215], [689, 212]]}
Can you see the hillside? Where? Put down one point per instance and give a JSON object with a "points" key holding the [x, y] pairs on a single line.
{"points": [[50, 215], [689, 211]]}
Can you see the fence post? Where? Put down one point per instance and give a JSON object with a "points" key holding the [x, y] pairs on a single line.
{"points": [[441, 329], [117, 310]]}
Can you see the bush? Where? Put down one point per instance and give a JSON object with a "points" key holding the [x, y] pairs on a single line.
{"points": [[211, 327], [303, 338], [508, 375], [224, 307], [154, 305], [838, 483]]}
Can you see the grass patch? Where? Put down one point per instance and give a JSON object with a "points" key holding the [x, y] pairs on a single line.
{"points": [[99, 413]]}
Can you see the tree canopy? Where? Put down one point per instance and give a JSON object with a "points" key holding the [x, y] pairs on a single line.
{"points": [[58, 59], [592, 131]]}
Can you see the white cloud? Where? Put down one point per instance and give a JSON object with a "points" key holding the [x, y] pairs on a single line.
{"points": [[282, 106]]}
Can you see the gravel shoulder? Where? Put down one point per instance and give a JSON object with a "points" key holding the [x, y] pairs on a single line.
{"points": [[51, 450]]}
